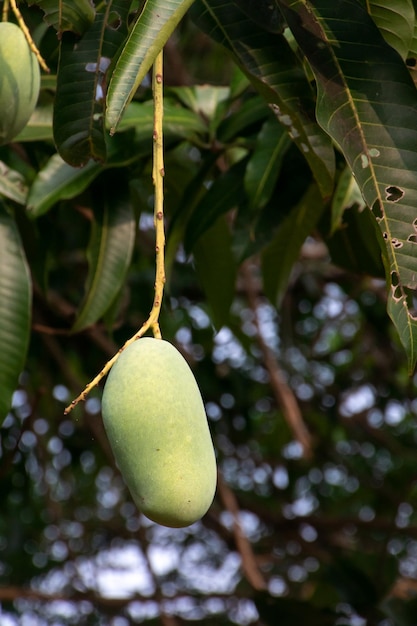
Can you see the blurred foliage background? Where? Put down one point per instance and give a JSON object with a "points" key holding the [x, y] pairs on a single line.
{"points": [[281, 314]]}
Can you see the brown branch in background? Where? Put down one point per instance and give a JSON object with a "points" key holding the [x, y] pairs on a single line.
{"points": [[249, 565], [282, 391], [11, 593]]}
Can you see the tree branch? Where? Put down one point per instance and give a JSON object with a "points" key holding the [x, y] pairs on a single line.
{"points": [[249, 564], [283, 393]]}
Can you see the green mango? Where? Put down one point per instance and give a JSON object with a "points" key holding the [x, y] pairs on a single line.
{"points": [[156, 423], [19, 81]]}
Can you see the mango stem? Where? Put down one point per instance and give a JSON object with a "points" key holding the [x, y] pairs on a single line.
{"points": [[28, 36], [5, 11], [158, 180]]}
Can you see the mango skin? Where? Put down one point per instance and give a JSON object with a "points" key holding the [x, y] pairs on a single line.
{"points": [[19, 81], [156, 423]]}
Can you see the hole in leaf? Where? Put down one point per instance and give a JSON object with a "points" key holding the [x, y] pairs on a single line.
{"points": [[393, 194], [412, 238], [397, 293], [412, 303], [411, 62], [114, 20], [378, 209], [396, 243], [385, 236]]}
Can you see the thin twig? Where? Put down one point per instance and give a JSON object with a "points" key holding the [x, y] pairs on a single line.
{"points": [[158, 177]]}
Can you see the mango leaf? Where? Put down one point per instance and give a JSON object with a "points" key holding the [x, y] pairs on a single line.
{"points": [[80, 95], [264, 164], [412, 53], [353, 245], [202, 99], [264, 13], [12, 184], [109, 251], [369, 106], [39, 126], [153, 27], [15, 309], [179, 123], [59, 181], [225, 193], [276, 72], [278, 258], [216, 269], [346, 195], [251, 113], [395, 19], [72, 15]]}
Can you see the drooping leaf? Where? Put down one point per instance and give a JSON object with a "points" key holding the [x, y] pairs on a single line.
{"points": [[412, 53], [202, 99], [39, 126], [58, 181], [154, 25], [216, 269], [346, 195], [395, 19], [71, 15], [277, 74], [12, 184], [264, 164], [368, 104], [178, 121], [224, 194], [279, 256], [251, 113], [15, 309], [80, 95], [264, 13], [254, 230], [109, 251]]}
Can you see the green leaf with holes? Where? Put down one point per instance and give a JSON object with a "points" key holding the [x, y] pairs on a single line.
{"points": [[368, 105], [15, 309]]}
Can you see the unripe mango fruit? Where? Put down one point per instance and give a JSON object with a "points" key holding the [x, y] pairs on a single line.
{"points": [[156, 423], [19, 81]]}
